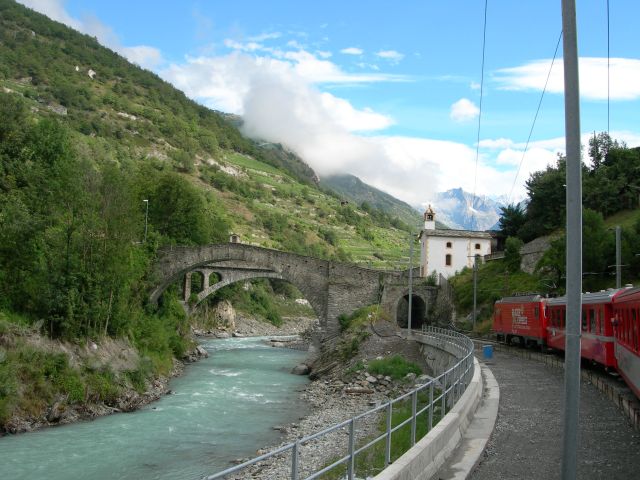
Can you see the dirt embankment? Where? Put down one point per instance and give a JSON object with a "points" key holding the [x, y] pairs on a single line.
{"points": [[108, 389]]}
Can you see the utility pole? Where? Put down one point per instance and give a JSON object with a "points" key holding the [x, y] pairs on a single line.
{"points": [[410, 284], [618, 257], [574, 241], [475, 289], [146, 218]]}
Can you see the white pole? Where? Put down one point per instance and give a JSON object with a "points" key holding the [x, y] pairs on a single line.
{"points": [[574, 241]]}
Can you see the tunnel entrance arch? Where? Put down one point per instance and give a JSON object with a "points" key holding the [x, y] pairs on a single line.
{"points": [[418, 311]]}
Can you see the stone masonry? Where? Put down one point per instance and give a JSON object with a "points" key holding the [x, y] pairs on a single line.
{"points": [[331, 288]]}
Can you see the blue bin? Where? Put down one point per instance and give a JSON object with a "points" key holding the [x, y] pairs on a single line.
{"points": [[487, 352]]}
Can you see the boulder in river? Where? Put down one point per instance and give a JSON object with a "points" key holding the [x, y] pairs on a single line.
{"points": [[301, 369]]}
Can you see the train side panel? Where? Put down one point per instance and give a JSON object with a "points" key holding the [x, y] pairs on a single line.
{"points": [[520, 317], [627, 337]]}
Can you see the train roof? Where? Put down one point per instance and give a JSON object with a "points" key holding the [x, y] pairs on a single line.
{"points": [[628, 295], [521, 299], [589, 298]]}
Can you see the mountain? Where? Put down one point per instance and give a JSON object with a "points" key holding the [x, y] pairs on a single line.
{"points": [[118, 114], [460, 210], [351, 188]]}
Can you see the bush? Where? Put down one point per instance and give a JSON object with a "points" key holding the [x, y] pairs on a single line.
{"points": [[396, 367]]}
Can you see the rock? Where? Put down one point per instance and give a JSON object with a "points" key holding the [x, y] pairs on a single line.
{"points": [[236, 334], [371, 379], [225, 315], [410, 377], [222, 335], [301, 369], [202, 352], [357, 390], [56, 412]]}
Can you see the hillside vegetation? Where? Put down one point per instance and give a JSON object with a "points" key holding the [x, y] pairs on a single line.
{"points": [[85, 139], [611, 197]]}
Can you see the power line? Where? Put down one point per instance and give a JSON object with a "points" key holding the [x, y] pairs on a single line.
{"points": [[475, 175], [608, 66], [555, 53]]}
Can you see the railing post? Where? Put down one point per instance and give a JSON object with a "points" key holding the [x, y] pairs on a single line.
{"points": [[294, 461], [352, 448], [387, 454], [414, 409], [431, 405], [443, 400]]}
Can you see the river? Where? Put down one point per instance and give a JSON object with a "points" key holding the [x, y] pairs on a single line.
{"points": [[222, 408]]}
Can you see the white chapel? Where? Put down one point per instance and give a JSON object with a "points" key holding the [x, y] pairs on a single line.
{"points": [[448, 251]]}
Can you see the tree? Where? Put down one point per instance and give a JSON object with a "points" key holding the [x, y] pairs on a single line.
{"points": [[512, 253], [512, 218], [599, 147]]}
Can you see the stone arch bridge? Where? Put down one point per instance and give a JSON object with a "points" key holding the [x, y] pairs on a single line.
{"points": [[332, 288]]}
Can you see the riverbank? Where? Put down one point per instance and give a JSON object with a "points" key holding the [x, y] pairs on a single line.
{"points": [[113, 387], [346, 390], [95, 378]]}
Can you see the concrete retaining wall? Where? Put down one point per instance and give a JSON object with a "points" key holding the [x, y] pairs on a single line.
{"points": [[426, 457]]}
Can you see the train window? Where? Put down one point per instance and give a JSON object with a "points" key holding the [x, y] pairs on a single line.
{"points": [[592, 321], [536, 312], [601, 321], [584, 320]]}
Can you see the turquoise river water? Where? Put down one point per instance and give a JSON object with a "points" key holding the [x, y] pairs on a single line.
{"points": [[222, 408]]}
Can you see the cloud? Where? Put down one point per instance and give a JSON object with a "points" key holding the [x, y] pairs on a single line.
{"points": [[143, 55], [265, 36], [352, 51], [351, 119], [624, 77], [324, 54], [391, 55], [464, 110]]}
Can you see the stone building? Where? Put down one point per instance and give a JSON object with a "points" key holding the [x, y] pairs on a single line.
{"points": [[448, 251]]}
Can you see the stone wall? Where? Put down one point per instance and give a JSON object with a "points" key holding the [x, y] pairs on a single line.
{"points": [[532, 252], [331, 288]]}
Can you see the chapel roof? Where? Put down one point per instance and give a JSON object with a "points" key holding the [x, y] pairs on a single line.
{"points": [[446, 232]]}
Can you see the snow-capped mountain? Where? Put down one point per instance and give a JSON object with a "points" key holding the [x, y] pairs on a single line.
{"points": [[459, 210]]}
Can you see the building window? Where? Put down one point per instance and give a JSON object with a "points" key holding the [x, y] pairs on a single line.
{"points": [[448, 244], [447, 260], [477, 246]]}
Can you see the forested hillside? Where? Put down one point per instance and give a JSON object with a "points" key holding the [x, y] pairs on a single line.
{"points": [[87, 142], [611, 197]]}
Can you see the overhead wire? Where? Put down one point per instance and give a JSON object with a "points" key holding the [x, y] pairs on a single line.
{"points": [[535, 118], [608, 68], [475, 175]]}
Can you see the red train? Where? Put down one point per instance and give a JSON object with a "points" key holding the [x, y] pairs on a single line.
{"points": [[610, 327]]}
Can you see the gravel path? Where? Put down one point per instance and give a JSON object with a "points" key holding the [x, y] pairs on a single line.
{"points": [[527, 440]]}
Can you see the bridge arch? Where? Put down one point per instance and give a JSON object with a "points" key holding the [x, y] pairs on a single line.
{"points": [[332, 288]]}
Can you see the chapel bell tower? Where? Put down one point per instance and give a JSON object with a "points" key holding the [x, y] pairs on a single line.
{"points": [[429, 219]]}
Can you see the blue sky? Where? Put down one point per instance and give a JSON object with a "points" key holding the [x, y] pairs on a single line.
{"points": [[388, 91]]}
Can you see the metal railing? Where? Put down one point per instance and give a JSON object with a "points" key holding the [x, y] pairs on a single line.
{"points": [[431, 400]]}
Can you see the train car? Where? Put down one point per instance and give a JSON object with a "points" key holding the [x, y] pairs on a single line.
{"points": [[626, 307], [521, 317], [596, 339]]}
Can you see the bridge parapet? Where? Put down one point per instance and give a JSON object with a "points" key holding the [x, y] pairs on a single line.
{"points": [[332, 288]]}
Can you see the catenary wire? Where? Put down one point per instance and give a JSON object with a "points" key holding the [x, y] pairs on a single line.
{"points": [[535, 118]]}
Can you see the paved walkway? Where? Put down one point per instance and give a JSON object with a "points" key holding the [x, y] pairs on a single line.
{"points": [[527, 440]]}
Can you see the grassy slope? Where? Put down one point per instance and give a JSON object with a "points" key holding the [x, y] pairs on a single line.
{"points": [[180, 134]]}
